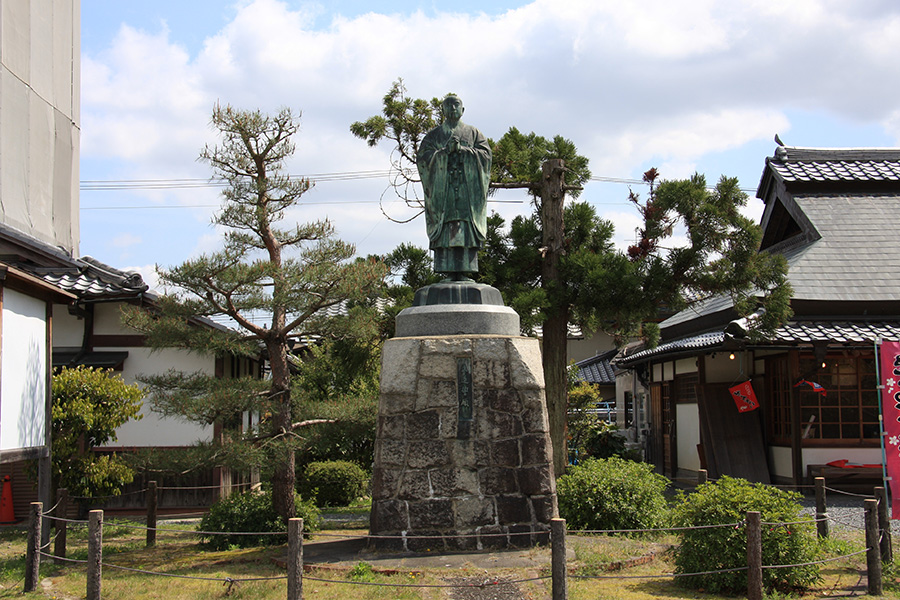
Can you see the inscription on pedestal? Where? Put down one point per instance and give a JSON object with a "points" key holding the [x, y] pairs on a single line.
{"points": [[464, 387]]}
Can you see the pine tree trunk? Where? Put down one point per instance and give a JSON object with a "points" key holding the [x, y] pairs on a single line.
{"points": [[285, 460], [555, 328]]}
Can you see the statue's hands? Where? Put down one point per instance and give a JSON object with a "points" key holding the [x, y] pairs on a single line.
{"points": [[453, 144]]}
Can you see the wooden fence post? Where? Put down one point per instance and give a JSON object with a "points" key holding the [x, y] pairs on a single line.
{"points": [[33, 552], [873, 550], [823, 527], [702, 476], [884, 525], [754, 556], [95, 554], [558, 559], [61, 512], [152, 504], [295, 559]]}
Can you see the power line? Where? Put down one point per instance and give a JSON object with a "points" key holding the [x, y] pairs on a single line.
{"points": [[95, 185]]}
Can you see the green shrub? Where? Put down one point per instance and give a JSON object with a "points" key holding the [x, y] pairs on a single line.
{"points": [[727, 501], [333, 482], [350, 436], [251, 511], [612, 493]]}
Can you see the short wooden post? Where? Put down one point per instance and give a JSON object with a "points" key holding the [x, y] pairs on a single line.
{"points": [[754, 556], [702, 476], [152, 504], [61, 512], [873, 550], [558, 559], [884, 525], [295, 559], [33, 551], [95, 554], [823, 527]]}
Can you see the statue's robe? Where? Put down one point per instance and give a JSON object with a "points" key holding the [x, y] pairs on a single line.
{"points": [[456, 186]]}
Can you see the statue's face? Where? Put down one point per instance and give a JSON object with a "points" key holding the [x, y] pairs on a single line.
{"points": [[453, 108]]}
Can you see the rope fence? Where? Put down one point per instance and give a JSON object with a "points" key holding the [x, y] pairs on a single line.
{"points": [[877, 528], [295, 575]]}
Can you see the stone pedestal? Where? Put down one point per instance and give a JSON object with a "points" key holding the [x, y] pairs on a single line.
{"points": [[462, 445]]}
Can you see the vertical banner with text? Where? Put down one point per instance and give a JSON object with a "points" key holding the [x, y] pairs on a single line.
{"points": [[889, 357]]}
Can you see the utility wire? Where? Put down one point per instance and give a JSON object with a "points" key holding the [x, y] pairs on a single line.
{"points": [[106, 185]]}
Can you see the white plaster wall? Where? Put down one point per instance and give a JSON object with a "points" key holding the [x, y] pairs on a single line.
{"points": [[68, 330], [780, 465], [592, 345], [686, 365], [108, 320], [721, 369], [39, 117], [154, 430], [820, 456], [23, 365], [781, 458], [687, 436]]}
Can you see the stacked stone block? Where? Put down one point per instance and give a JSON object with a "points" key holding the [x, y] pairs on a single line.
{"points": [[462, 483]]}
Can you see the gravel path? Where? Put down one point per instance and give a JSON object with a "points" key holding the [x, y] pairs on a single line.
{"points": [[845, 511]]}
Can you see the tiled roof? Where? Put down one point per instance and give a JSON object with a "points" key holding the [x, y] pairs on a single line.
{"points": [[597, 369], [856, 259], [696, 342], [837, 332], [792, 333], [826, 165], [93, 279], [853, 257]]}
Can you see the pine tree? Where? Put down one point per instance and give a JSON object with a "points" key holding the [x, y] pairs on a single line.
{"points": [[592, 283], [288, 275]]}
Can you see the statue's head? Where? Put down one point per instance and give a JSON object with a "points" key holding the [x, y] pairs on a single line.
{"points": [[452, 107]]}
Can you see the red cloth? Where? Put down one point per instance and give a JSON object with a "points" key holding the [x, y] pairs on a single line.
{"points": [[846, 464]]}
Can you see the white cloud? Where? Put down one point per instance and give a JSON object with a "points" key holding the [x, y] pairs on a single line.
{"points": [[125, 240], [661, 82]]}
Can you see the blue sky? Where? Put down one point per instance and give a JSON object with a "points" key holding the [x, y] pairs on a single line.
{"points": [[700, 85]]}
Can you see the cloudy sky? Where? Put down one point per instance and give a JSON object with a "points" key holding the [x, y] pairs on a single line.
{"points": [[685, 86]]}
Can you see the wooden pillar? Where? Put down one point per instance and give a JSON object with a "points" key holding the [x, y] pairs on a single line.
{"points": [[558, 572], [555, 327], [822, 524], [873, 549], [61, 511], [95, 554], [295, 559], [754, 556], [33, 547], [152, 507]]}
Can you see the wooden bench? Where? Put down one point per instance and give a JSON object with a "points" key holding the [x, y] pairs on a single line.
{"points": [[858, 479]]}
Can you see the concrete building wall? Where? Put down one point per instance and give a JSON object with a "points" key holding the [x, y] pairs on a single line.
{"points": [[40, 79], [23, 351]]}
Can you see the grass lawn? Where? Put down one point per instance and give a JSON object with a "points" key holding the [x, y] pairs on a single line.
{"points": [[179, 554]]}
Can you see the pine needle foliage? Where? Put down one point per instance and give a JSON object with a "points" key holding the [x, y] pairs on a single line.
{"points": [[273, 280]]}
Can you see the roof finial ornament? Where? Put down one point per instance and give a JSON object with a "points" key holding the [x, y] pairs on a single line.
{"points": [[781, 150]]}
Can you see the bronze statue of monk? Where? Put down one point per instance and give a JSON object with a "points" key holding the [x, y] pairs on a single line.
{"points": [[454, 163]]}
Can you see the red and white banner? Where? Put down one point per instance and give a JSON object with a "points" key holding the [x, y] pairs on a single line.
{"points": [[744, 397], [889, 361]]}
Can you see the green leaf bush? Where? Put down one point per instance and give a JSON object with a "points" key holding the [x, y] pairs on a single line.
{"points": [[333, 482], [727, 501], [251, 511], [612, 493]]}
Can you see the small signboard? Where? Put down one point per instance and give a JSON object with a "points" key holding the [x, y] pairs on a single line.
{"points": [[744, 397]]}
